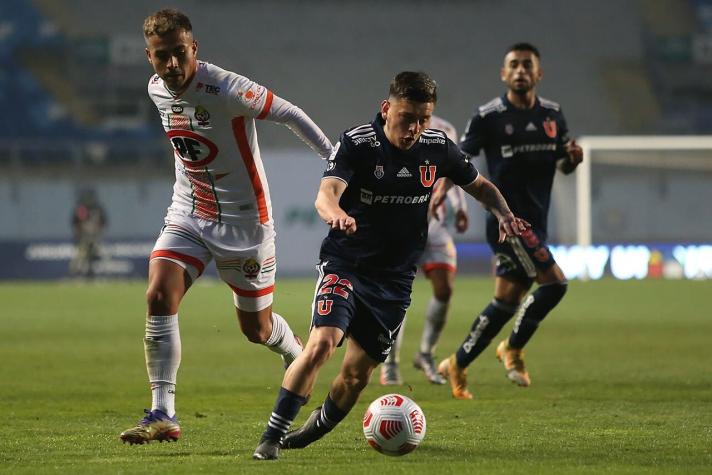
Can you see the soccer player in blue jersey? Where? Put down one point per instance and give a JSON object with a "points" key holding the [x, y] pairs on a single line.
{"points": [[374, 196], [525, 139]]}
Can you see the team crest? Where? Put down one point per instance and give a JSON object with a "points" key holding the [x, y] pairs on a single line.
{"points": [[202, 115], [509, 129], [251, 268], [427, 175], [378, 172], [550, 128]]}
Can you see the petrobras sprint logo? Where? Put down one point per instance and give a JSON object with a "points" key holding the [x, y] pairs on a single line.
{"points": [[509, 151], [367, 197]]}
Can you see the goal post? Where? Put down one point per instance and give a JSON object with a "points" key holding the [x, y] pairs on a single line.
{"points": [[643, 208], [639, 143]]}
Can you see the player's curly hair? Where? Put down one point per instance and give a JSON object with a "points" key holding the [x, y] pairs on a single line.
{"points": [[164, 22], [414, 86]]}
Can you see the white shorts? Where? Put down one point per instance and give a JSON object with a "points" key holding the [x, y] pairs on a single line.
{"points": [[439, 251], [244, 255]]}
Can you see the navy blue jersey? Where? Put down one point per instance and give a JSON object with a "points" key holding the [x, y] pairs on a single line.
{"points": [[388, 194], [522, 148]]}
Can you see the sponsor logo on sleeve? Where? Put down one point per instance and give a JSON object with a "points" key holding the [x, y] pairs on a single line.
{"points": [[253, 96]]}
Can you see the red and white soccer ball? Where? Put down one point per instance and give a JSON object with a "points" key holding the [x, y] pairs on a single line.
{"points": [[394, 425]]}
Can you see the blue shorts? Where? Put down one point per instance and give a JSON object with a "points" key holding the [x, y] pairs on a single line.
{"points": [[367, 306], [519, 258]]}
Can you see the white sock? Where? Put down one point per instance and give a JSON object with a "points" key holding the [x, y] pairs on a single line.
{"points": [[394, 356], [435, 316], [282, 340], [163, 350]]}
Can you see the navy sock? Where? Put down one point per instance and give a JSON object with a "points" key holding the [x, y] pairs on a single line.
{"points": [[536, 306], [285, 410], [485, 327], [331, 414]]}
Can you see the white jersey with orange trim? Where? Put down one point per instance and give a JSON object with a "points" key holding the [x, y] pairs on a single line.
{"points": [[211, 126]]}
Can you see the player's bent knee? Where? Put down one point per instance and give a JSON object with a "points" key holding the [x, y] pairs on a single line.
{"points": [[356, 382], [319, 351], [256, 334], [443, 294], [549, 295], [162, 302]]}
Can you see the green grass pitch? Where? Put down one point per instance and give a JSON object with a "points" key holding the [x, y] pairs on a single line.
{"points": [[621, 383]]}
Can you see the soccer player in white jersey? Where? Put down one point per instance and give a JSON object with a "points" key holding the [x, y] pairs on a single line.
{"points": [[439, 263], [221, 206]]}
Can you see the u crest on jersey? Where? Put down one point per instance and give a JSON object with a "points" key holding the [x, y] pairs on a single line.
{"points": [[427, 175], [550, 128], [324, 306]]}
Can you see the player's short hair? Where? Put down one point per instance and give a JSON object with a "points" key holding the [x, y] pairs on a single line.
{"points": [[524, 47], [414, 86], [166, 21]]}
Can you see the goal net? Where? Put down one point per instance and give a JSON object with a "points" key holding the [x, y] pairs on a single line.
{"points": [[637, 207]]}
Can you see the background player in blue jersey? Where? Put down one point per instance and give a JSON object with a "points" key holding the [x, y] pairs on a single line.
{"points": [[525, 139], [374, 196]]}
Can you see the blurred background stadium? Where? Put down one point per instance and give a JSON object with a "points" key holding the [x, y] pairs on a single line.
{"points": [[76, 119]]}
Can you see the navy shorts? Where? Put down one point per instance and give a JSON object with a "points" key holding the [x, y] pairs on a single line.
{"points": [[521, 257], [367, 306]]}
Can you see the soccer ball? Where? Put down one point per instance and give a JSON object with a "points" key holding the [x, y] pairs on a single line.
{"points": [[394, 425]]}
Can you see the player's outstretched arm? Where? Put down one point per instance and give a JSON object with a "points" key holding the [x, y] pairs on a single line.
{"points": [[486, 193], [284, 112], [327, 205]]}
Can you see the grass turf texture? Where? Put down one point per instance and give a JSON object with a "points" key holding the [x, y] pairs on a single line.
{"points": [[621, 383]]}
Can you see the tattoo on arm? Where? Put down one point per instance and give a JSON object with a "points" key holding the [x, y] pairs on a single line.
{"points": [[488, 194]]}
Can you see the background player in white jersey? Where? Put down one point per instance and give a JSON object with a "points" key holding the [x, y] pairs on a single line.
{"points": [[221, 207], [439, 262]]}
